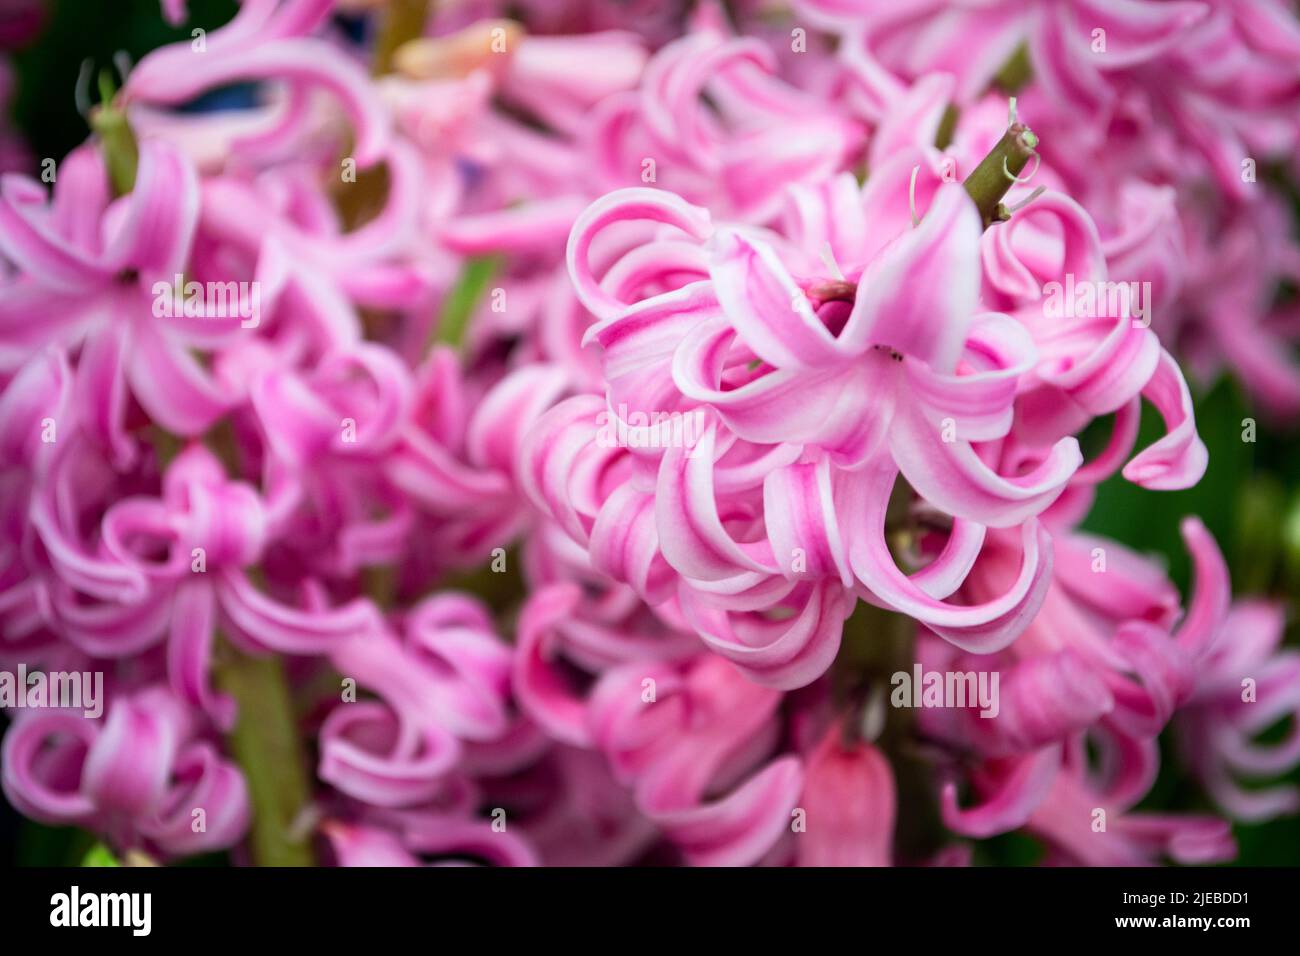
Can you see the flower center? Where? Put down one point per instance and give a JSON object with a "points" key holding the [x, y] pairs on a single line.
{"points": [[832, 302], [831, 290]]}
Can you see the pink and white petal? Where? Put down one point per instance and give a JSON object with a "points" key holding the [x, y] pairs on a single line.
{"points": [[625, 544], [1010, 795], [647, 334], [952, 476], [301, 61], [1048, 240], [38, 394], [913, 122], [539, 688], [202, 780], [1135, 32], [366, 754], [361, 845], [1101, 363], [844, 409], [512, 406], [799, 513], [156, 232], [691, 532], [1179, 459], [769, 311], [945, 574], [734, 831], [28, 240], [81, 198], [556, 454], [919, 293], [784, 654], [101, 395], [828, 213], [981, 628], [38, 751], [176, 391], [1212, 594], [189, 652], [264, 622], [528, 229], [624, 205], [129, 765], [979, 401], [112, 630]]}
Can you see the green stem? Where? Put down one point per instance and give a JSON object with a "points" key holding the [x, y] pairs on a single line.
{"points": [[947, 127], [265, 743], [116, 139], [876, 645], [991, 179], [1016, 72]]}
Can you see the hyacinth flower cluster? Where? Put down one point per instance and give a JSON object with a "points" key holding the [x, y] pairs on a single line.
{"points": [[612, 434]]}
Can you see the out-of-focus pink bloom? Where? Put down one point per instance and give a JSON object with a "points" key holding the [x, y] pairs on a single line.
{"points": [[849, 799], [175, 11], [675, 735], [20, 21], [208, 530], [141, 776], [1085, 816], [1236, 260], [447, 681], [1108, 620], [459, 467], [308, 267], [1101, 662], [738, 150], [1087, 821], [268, 40], [451, 844], [973, 40], [541, 78], [575, 813], [94, 266], [1244, 685]]}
